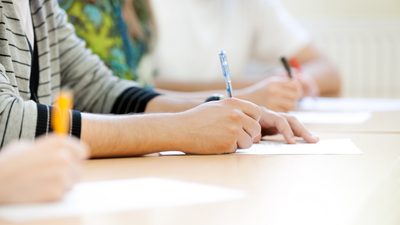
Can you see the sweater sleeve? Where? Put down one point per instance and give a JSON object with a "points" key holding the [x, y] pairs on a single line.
{"points": [[95, 89], [17, 117], [20, 119]]}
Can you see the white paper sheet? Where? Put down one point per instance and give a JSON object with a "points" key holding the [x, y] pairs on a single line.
{"points": [[122, 195], [349, 104], [323, 147], [332, 117]]}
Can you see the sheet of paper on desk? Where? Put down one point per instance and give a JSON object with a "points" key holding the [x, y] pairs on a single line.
{"points": [[323, 147], [122, 195], [349, 104], [332, 117]]}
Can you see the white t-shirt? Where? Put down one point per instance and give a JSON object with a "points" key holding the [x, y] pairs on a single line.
{"points": [[192, 32], [22, 7]]}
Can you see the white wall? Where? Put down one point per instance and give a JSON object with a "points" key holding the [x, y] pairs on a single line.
{"points": [[362, 37], [344, 9]]}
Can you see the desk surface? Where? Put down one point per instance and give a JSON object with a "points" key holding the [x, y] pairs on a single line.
{"points": [[283, 189], [382, 122], [385, 113]]}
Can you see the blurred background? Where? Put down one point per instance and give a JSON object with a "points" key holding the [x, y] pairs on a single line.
{"points": [[361, 36]]}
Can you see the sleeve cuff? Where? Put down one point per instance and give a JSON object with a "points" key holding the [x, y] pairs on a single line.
{"points": [[76, 124], [133, 100], [43, 120], [43, 124]]}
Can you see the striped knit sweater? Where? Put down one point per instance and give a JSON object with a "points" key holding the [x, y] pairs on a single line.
{"points": [[63, 62]]}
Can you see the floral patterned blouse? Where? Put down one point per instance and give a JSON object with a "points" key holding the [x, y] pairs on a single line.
{"points": [[102, 26]]}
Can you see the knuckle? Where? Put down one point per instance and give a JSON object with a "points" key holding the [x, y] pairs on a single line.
{"points": [[235, 116], [257, 130], [280, 121], [290, 117], [280, 118], [229, 101], [233, 130], [257, 112]]}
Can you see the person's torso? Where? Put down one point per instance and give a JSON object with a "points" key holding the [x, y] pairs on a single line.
{"points": [[192, 35], [15, 55]]}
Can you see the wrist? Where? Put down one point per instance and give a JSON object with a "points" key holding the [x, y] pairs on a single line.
{"points": [[178, 132], [167, 132]]}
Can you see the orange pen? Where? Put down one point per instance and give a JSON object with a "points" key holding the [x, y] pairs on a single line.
{"points": [[60, 113]]}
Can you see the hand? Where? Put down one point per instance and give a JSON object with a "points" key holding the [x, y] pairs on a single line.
{"points": [[40, 171], [277, 93], [223, 126], [309, 85], [287, 125], [219, 127]]}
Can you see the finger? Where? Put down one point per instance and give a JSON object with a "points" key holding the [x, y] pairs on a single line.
{"points": [[244, 140], [246, 107], [300, 131], [258, 138], [291, 92], [71, 170], [283, 127], [251, 126], [79, 149], [75, 170], [55, 142]]}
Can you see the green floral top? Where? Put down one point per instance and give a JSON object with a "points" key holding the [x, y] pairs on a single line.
{"points": [[102, 26]]}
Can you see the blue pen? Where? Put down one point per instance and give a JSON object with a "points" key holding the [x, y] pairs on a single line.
{"points": [[226, 72]]}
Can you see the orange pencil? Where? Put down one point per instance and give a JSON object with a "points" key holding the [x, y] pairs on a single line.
{"points": [[60, 115]]}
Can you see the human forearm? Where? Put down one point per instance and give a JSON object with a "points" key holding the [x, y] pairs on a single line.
{"points": [[128, 135], [318, 67], [325, 75], [173, 103], [191, 86]]}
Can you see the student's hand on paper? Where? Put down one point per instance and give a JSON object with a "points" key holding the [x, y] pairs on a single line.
{"points": [[277, 93], [41, 171], [219, 127], [287, 125]]}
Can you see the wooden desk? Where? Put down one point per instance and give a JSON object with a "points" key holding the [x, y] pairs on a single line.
{"points": [[380, 122], [287, 189], [385, 113]]}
